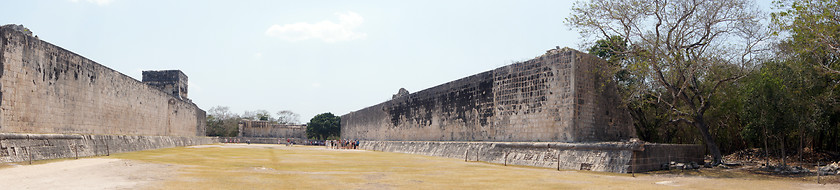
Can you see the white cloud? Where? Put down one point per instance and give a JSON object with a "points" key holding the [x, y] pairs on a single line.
{"points": [[97, 2], [327, 31], [258, 56]]}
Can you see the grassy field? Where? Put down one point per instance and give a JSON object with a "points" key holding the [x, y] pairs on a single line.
{"points": [[239, 166]]}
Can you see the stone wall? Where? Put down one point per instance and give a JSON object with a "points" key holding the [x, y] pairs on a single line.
{"points": [[174, 82], [606, 157], [16, 147], [47, 89], [248, 128], [557, 97]]}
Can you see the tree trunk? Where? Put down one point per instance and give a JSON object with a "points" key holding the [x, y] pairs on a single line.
{"points": [[801, 140], [766, 149], [700, 123], [783, 151]]}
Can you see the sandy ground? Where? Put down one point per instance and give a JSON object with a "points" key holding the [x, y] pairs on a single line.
{"points": [[259, 166], [86, 173]]}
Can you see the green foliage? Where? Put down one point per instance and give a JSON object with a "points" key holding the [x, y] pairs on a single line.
{"points": [[221, 122], [811, 49], [649, 117], [814, 29], [789, 99], [768, 103], [324, 126], [685, 50]]}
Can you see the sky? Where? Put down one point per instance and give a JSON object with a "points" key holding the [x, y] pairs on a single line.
{"points": [[309, 57]]}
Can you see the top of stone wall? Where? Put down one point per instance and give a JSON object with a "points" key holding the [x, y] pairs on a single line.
{"points": [[402, 92], [19, 28], [13, 27], [164, 75]]}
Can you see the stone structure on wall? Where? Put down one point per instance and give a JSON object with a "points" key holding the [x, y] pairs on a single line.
{"points": [[557, 97], [47, 89], [402, 92], [19, 28], [248, 128], [170, 81]]}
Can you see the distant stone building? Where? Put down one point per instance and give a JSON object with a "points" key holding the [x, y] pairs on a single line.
{"points": [[249, 128]]}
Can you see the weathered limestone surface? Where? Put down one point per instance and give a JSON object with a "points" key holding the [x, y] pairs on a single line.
{"points": [[607, 156], [553, 111], [170, 81], [248, 128], [16, 147], [47, 89], [557, 97]]}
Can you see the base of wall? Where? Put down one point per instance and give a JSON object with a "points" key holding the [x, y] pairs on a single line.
{"points": [[618, 157], [17, 147]]}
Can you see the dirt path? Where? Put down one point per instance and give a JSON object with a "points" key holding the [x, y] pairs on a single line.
{"points": [[89, 173]]}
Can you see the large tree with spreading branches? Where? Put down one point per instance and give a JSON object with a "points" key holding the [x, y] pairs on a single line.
{"points": [[686, 49]]}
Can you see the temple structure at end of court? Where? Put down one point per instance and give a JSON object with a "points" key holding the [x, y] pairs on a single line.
{"points": [[556, 110]]}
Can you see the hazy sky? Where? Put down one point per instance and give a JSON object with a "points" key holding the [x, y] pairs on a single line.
{"points": [[309, 57]]}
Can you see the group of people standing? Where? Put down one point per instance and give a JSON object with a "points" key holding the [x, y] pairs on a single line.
{"points": [[343, 144]]}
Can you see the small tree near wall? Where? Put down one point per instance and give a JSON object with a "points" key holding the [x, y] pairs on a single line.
{"points": [[323, 126]]}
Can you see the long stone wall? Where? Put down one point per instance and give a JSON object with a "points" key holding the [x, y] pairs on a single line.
{"points": [[619, 157], [47, 89], [16, 147], [557, 97]]}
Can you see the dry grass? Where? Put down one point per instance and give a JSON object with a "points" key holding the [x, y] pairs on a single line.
{"points": [[300, 167]]}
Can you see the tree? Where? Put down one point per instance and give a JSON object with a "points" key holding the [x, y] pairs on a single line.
{"points": [[812, 49], [768, 106], [261, 115], [647, 116], [688, 47], [287, 117], [324, 126], [814, 28], [222, 122]]}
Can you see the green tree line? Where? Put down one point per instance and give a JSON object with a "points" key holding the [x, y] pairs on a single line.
{"points": [[715, 73], [222, 122]]}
